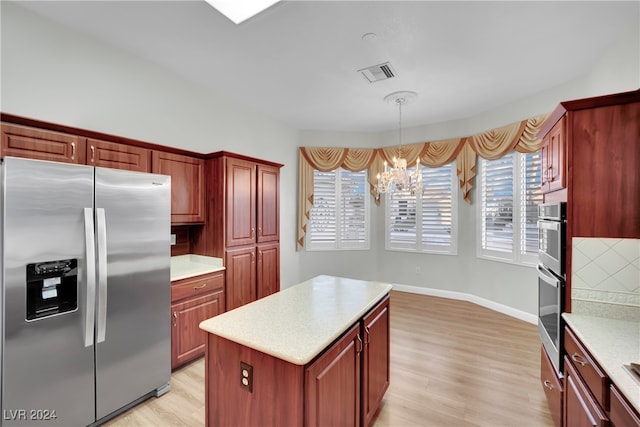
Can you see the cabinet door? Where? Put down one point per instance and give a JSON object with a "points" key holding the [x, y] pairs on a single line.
{"points": [[332, 384], [241, 276], [622, 414], [118, 156], [187, 185], [375, 359], [581, 409], [552, 387], [24, 141], [268, 203], [268, 269], [553, 159], [187, 339], [240, 202]]}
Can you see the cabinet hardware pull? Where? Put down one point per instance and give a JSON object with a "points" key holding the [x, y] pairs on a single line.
{"points": [[366, 336], [359, 348], [73, 151], [253, 257], [93, 154], [548, 384], [253, 232], [260, 231], [578, 359], [174, 321], [204, 285]]}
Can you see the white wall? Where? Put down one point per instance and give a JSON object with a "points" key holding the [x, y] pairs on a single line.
{"points": [[512, 286], [51, 73]]}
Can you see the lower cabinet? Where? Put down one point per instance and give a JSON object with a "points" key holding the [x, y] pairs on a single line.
{"points": [[332, 384], [552, 386], [193, 300], [342, 386], [375, 360], [253, 272], [581, 408], [622, 414]]}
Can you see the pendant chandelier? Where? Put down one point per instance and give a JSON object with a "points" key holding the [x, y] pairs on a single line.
{"points": [[398, 179]]}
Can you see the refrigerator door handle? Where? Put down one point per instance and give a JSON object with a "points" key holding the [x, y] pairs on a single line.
{"points": [[91, 277], [102, 274]]}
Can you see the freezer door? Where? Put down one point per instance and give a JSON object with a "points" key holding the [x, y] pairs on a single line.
{"points": [[47, 371], [133, 335]]}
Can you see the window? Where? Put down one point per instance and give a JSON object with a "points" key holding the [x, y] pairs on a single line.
{"points": [[509, 195], [340, 213], [425, 222]]}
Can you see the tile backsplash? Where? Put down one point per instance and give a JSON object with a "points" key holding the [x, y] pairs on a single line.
{"points": [[605, 277]]}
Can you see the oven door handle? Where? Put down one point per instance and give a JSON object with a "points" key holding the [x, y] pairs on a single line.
{"points": [[548, 277], [549, 225]]}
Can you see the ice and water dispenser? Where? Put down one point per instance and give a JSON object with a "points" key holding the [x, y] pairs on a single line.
{"points": [[52, 288]]}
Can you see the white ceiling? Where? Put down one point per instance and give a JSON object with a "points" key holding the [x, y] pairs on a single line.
{"points": [[298, 60]]}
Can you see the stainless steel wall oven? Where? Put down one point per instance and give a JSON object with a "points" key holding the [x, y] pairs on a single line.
{"points": [[551, 277]]}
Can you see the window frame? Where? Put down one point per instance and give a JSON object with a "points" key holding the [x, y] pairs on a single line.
{"points": [[418, 246], [338, 244], [517, 255]]}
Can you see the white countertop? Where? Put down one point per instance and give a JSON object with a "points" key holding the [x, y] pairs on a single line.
{"points": [[613, 343], [184, 266], [297, 323]]}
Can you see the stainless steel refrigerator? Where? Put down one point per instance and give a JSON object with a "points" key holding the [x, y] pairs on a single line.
{"points": [[85, 291]]}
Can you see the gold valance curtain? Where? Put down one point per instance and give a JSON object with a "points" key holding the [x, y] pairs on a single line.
{"points": [[493, 144]]}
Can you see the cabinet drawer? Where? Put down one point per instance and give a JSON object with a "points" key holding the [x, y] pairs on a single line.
{"points": [[622, 414], [591, 373], [580, 406], [195, 286], [552, 387]]}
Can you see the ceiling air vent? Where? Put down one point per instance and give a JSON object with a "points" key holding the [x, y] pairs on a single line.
{"points": [[378, 72]]}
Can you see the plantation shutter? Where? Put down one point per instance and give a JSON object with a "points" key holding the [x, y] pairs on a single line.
{"points": [[322, 224], [353, 230], [437, 206], [497, 204], [530, 189]]}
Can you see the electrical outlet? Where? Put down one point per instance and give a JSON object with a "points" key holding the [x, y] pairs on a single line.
{"points": [[246, 376]]}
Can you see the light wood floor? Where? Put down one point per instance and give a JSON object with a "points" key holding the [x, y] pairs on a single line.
{"points": [[453, 363]]}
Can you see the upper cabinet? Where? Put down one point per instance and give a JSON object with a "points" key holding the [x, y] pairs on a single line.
{"points": [[252, 204], [268, 212], [243, 215], [240, 195], [594, 142], [118, 156], [34, 143], [187, 185], [553, 159]]}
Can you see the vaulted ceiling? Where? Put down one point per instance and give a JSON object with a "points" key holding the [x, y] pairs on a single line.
{"points": [[298, 61]]}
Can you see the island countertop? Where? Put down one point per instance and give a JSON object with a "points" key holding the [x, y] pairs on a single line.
{"points": [[297, 323]]}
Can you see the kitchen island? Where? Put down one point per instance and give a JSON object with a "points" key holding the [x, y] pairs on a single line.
{"points": [[313, 354]]}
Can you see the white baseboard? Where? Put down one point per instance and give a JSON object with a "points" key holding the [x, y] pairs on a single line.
{"points": [[500, 308]]}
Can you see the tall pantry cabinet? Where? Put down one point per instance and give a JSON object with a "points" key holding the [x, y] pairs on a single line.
{"points": [[243, 225]]}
